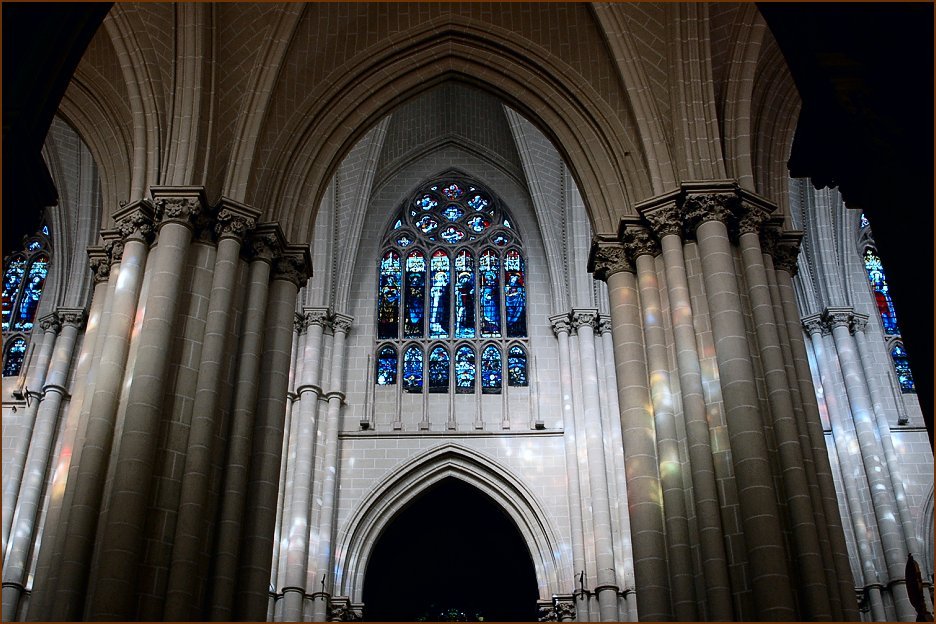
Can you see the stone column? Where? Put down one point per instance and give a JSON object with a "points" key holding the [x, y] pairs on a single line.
{"points": [[895, 550], [642, 248], [290, 269], [667, 225], [114, 595], [341, 324], [815, 587], [784, 251], [16, 560], [134, 222], [189, 563], [706, 209], [266, 240], [609, 263], [35, 378], [561, 327], [57, 514], [297, 540], [814, 326], [583, 321]]}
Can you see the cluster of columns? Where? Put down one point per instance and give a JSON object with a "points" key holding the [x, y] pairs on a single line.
{"points": [[600, 531], [862, 441], [733, 512], [163, 497], [303, 568]]}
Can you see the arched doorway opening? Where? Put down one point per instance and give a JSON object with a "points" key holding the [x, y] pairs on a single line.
{"points": [[453, 553]]}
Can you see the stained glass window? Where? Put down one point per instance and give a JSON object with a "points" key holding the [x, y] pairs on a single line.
{"points": [[489, 270], [426, 224], [388, 297], [516, 366], [864, 221], [12, 279], [478, 223], [464, 295], [439, 295], [902, 366], [881, 293], [45, 230], [13, 361], [453, 191], [452, 234], [438, 370], [478, 202], [413, 370], [465, 370], [32, 291], [514, 295], [415, 295], [386, 366], [491, 370], [453, 213]]}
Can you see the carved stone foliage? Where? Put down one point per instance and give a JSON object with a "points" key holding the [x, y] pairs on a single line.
{"points": [[583, 318], [114, 250], [750, 218], [290, 267], [178, 209], [230, 224], [814, 324], [699, 208], [604, 324], [560, 323], [70, 316], [639, 241], [341, 323], [770, 238], [785, 253], [135, 222], [547, 613], [859, 322], [608, 259], [316, 316], [565, 611], [99, 262], [665, 220], [838, 317], [342, 613], [50, 323]]}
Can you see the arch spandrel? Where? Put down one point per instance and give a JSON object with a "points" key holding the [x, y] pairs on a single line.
{"points": [[587, 130], [355, 543]]}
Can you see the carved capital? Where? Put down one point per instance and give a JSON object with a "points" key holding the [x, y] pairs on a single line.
{"points": [[71, 316], [608, 257], [234, 220], [316, 316], [182, 210], [582, 318], [770, 237], [699, 208], [664, 220], [50, 323], [547, 613], [341, 323], [838, 317], [565, 611], [604, 324], [813, 324], [99, 262], [785, 253], [135, 222], [265, 243], [750, 218], [299, 324], [859, 323], [294, 264], [560, 324], [639, 241]]}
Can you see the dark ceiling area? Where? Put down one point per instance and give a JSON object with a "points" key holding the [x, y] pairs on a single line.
{"points": [[864, 72]]}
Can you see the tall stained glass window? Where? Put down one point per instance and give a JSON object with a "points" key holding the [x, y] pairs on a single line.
{"points": [[902, 366], [24, 277], [881, 293], [452, 269]]}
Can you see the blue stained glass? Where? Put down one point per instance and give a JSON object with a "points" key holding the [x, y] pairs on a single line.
{"points": [[14, 358], [32, 291], [478, 202], [902, 366], [45, 230], [881, 293], [33, 245], [426, 202], [500, 239], [404, 240], [465, 370], [489, 276], [516, 367], [388, 298], [864, 221], [386, 366], [453, 191], [415, 300], [11, 281], [464, 295], [514, 295], [479, 223], [491, 370], [452, 234], [507, 224], [438, 370], [453, 212], [398, 224], [439, 296], [413, 370], [426, 224]]}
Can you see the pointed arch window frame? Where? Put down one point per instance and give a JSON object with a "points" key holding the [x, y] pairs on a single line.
{"points": [[36, 248]]}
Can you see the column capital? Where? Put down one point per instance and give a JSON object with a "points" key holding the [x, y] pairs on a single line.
{"points": [[135, 221], [838, 317], [50, 323], [99, 262], [770, 235], [299, 323], [113, 245], [71, 316], [178, 204], [234, 219], [565, 609], [638, 240], [316, 316], [751, 213], [265, 242], [786, 252], [293, 264], [703, 205], [604, 324], [607, 257], [859, 322], [560, 323], [813, 324], [662, 214], [582, 317], [341, 323]]}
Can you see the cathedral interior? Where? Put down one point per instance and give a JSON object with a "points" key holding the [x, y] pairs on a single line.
{"points": [[461, 312]]}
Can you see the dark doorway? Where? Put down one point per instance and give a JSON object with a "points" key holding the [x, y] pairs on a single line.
{"points": [[453, 554]]}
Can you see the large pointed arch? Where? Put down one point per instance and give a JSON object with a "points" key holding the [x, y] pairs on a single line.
{"points": [[590, 135], [407, 482]]}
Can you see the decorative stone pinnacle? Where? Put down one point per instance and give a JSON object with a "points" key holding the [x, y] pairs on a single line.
{"points": [[639, 241], [135, 222], [699, 208], [582, 318], [560, 323], [71, 316], [608, 257], [51, 323]]}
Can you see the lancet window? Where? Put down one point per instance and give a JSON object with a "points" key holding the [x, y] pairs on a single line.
{"points": [[452, 294], [24, 276]]}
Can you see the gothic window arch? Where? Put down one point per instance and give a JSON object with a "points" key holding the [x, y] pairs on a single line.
{"points": [[452, 293], [24, 276]]}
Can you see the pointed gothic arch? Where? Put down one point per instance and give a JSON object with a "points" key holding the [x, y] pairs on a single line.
{"points": [[403, 485]]}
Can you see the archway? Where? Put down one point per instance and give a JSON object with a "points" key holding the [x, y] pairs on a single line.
{"points": [[451, 552]]}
